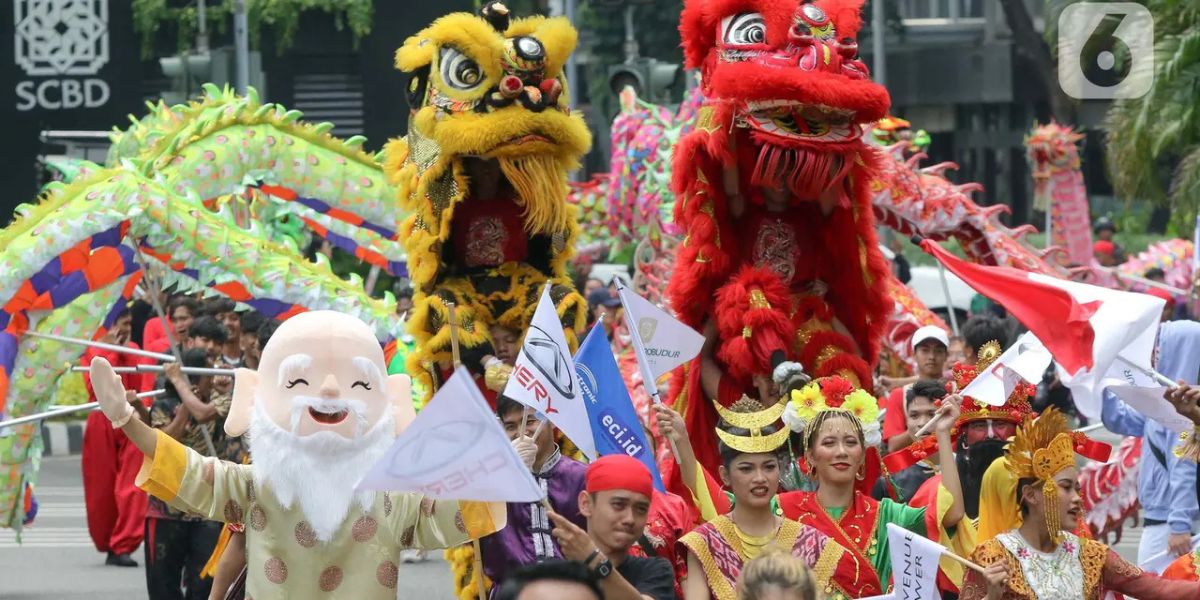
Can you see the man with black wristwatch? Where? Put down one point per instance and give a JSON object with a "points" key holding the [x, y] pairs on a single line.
{"points": [[615, 503]]}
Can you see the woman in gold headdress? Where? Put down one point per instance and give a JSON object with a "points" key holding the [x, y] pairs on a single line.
{"points": [[714, 553], [1040, 558]]}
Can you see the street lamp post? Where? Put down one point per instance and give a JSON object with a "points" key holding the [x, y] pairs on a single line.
{"points": [[241, 44]]}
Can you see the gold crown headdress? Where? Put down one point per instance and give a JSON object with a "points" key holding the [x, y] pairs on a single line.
{"points": [[750, 415], [1041, 449]]}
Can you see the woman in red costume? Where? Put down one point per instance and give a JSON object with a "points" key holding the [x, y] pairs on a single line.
{"points": [[833, 417], [712, 556]]}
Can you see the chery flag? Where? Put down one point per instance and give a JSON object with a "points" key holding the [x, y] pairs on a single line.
{"points": [[544, 379], [455, 450]]}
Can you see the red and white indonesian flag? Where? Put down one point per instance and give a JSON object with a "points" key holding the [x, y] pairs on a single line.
{"points": [[663, 342], [1024, 361], [455, 450], [544, 377], [1085, 327]]}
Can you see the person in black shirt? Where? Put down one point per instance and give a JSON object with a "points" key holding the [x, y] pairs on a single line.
{"points": [[615, 502]]}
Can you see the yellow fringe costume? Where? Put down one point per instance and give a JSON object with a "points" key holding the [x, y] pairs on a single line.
{"points": [[486, 86]]}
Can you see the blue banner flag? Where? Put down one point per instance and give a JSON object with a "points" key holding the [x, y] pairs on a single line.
{"points": [[615, 425]]}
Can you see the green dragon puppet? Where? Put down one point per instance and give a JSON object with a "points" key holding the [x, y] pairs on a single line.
{"points": [[196, 192], [483, 176]]}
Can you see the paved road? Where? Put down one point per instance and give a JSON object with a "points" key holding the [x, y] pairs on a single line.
{"points": [[57, 561]]}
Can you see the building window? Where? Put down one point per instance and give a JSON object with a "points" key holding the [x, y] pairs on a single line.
{"points": [[951, 10]]}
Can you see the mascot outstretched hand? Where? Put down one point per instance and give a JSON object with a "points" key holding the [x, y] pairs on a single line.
{"points": [[320, 412]]}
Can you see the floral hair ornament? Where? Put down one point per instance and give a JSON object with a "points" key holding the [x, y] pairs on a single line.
{"points": [[750, 415], [833, 394], [1041, 449]]}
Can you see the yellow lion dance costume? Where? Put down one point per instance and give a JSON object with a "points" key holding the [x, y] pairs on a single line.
{"points": [[483, 176]]}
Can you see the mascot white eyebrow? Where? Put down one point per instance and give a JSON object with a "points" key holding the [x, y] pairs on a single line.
{"points": [[320, 414]]}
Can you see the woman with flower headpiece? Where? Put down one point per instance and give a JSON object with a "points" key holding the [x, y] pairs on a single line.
{"points": [[840, 427], [711, 557], [1039, 557]]}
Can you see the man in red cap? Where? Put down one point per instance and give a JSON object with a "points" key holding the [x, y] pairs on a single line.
{"points": [[615, 503]]}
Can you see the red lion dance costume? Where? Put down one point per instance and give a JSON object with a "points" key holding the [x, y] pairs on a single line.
{"points": [[775, 200]]}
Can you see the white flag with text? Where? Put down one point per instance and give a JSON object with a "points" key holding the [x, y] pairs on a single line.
{"points": [[914, 564], [455, 450], [665, 342], [544, 377]]}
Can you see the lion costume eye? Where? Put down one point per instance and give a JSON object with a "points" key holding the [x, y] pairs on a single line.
{"points": [[458, 70], [744, 29]]}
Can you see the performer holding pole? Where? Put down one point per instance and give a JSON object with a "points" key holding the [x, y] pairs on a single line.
{"points": [[477, 565]]}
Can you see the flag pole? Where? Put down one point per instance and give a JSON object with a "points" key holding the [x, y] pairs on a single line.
{"points": [[949, 303], [477, 557], [964, 561], [639, 349], [102, 346], [1159, 377]]}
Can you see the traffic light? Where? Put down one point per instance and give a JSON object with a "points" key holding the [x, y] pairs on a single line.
{"points": [[653, 80], [187, 72]]}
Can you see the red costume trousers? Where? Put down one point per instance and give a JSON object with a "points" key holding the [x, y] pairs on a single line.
{"points": [[116, 508]]}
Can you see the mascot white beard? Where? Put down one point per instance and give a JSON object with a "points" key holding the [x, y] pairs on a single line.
{"points": [[319, 470]]}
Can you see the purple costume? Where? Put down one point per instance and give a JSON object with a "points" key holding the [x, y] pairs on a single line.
{"points": [[526, 539]]}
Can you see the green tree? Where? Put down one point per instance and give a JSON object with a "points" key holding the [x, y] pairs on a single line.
{"points": [[1154, 141], [281, 16]]}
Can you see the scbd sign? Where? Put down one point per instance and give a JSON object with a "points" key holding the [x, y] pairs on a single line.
{"points": [[59, 44]]}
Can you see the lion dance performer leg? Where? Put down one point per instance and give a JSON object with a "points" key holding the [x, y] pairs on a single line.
{"points": [[774, 200], [483, 175]]}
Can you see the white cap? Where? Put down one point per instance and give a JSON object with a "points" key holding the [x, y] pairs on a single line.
{"points": [[930, 332]]}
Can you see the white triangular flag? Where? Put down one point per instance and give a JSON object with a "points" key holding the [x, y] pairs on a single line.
{"points": [[1150, 402], [1024, 361], [544, 378], [455, 450], [914, 564], [663, 341]]}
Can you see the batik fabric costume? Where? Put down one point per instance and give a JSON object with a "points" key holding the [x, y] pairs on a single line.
{"points": [[486, 88], [1077, 568], [527, 538], [802, 278], [723, 549], [862, 526], [284, 557]]}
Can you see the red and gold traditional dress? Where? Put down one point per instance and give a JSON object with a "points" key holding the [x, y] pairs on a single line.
{"points": [[723, 550]]}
